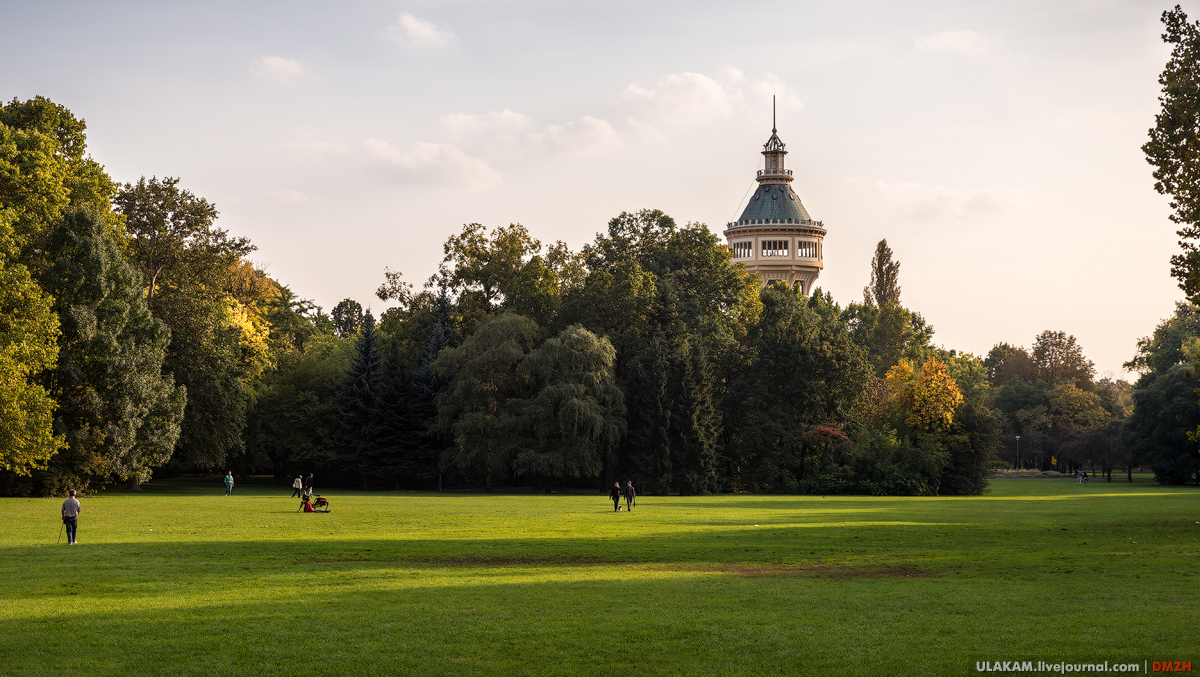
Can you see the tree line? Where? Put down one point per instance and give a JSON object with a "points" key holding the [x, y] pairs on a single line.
{"points": [[137, 339]]}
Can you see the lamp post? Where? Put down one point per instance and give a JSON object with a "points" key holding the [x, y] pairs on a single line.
{"points": [[1017, 465]]}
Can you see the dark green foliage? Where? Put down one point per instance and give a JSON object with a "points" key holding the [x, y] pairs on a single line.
{"points": [[889, 333], [347, 317], [1174, 145], [1156, 433], [481, 405], [359, 444], [806, 372], [118, 411], [648, 445], [696, 421], [296, 418], [576, 414], [186, 262]]}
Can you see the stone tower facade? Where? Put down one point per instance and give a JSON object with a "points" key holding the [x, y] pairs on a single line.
{"points": [[775, 237]]}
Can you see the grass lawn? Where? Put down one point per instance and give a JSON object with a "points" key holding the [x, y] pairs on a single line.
{"points": [[180, 580]]}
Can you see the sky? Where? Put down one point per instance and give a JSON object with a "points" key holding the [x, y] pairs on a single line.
{"points": [[996, 146]]}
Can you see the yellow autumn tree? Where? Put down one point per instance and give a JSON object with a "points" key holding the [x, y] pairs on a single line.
{"points": [[928, 398]]}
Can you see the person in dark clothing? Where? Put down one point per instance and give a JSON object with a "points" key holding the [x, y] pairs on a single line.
{"points": [[630, 496], [937, 485], [308, 482], [615, 495]]}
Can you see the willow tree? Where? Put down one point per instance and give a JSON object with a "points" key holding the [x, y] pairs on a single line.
{"points": [[576, 416]]}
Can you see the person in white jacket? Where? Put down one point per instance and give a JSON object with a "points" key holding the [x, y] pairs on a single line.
{"points": [[297, 486]]}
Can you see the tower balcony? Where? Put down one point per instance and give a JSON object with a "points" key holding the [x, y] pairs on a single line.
{"points": [[774, 172]]}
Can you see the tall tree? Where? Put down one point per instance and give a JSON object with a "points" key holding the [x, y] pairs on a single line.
{"points": [[807, 372], [120, 414], [1058, 358], [696, 421], [885, 278], [1174, 145], [186, 263], [481, 404], [576, 415], [28, 346], [347, 317], [360, 406]]}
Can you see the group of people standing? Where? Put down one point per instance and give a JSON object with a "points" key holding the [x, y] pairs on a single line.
{"points": [[302, 487], [617, 493]]}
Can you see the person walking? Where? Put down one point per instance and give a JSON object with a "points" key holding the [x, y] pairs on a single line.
{"points": [[70, 516], [615, 495], [297, 486], [937, 486], [630, 496], [308, 483], [229, 483]]}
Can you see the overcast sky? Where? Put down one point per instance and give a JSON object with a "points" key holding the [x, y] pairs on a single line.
{"points": [[995, 145]]}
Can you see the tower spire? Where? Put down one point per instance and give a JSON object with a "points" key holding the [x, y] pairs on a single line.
{"points": [[773, 130]]}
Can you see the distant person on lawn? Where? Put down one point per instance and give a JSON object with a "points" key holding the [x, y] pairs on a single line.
{"points": [[306, 506], [70, 515], [298, 486], [229, 483], [308, 483], [630, 495], [615, 495]]}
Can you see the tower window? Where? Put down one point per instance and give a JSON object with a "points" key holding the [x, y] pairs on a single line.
{"points": [[743, 250], [774, 247]]}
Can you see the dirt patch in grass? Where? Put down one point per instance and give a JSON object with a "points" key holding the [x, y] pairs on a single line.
{"points": [[482, 560], [815, 571], [745, 569]]}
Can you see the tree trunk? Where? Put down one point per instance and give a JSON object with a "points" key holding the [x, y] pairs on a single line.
{"points": [[439, 480], [135, 484], [1129, 469]]}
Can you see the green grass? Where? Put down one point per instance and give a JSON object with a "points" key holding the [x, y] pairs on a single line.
{"points": [[180, 580]]}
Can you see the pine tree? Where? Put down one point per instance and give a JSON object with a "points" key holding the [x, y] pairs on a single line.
{"points": [[393, 437], [360, 453], [421, 463], [649, 439], [696, 421]]}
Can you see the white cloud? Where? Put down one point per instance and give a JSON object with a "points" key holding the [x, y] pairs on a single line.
{"points": [[278, 68], [461, 125], [412, 31], [431, 163], [785, 97], [930, 203], [679, 98], [585, 136], [969, 43], [693, 98]]}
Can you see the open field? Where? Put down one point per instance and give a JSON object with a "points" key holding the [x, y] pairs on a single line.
{"points": [[180, 580]]}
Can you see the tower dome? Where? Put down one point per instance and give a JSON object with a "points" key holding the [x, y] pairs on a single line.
{"points": [[775, 237]]}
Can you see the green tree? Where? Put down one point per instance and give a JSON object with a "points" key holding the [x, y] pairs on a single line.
{"points": [[360, 406], [119, 413], [186, 264], [1005, 362], [1156, 433], [28, 337], [1058, 358], [576, 415], [1174, 145], [347, 318], [889, 333], [481, 405], [44, 172], [884, 288], [806, 372], [696, 421]]}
